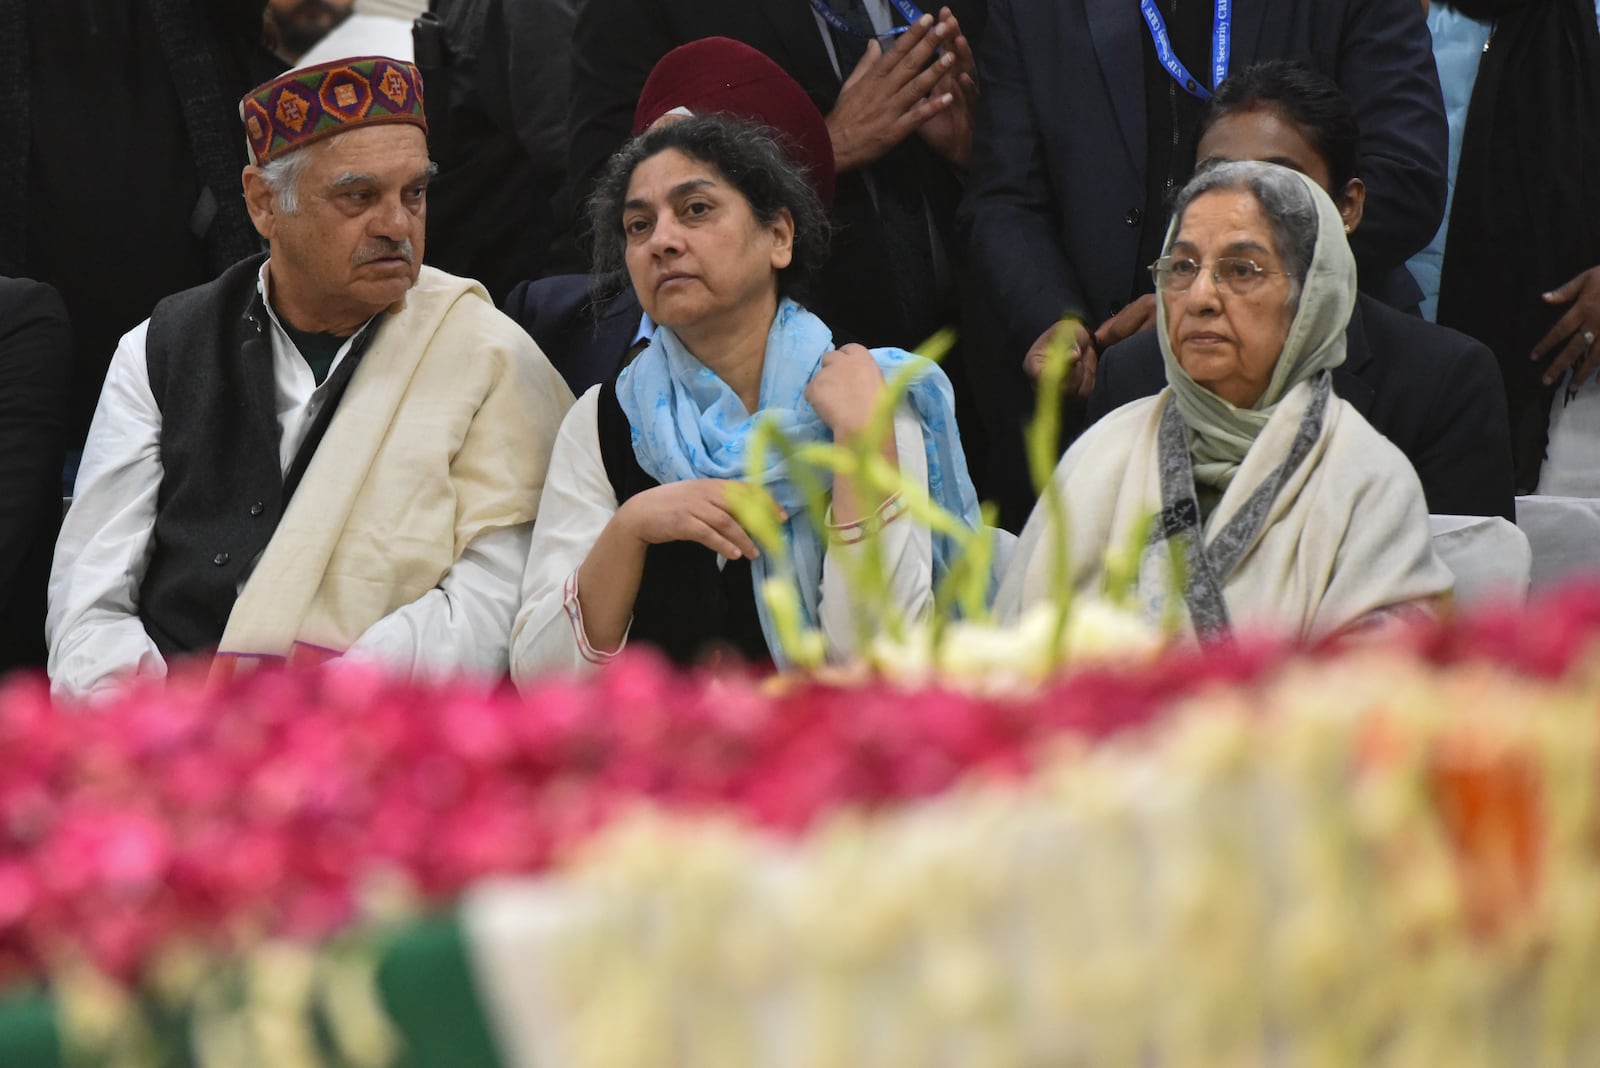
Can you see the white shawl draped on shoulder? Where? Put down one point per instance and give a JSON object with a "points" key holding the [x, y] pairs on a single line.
{"points": [[444, 433], [1345, 536]]}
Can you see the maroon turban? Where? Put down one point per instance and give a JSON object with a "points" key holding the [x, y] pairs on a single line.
{"points": [[717, 75]]}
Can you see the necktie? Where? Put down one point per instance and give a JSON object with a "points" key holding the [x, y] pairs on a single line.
{"points": [[850, 47]]}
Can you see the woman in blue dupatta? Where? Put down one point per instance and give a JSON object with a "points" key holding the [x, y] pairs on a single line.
{"points": [[636, 542]]}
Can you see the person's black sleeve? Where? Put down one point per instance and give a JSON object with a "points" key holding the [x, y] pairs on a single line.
{"points": [[1465, 465], [1008, 221], [35, 373], [1128, 371], [615, 45], [1386, 68]]}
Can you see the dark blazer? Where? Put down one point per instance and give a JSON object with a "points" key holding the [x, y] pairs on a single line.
{"points": [[159, 82], [35, 376], [584, 334], [497, 129], [1432, 391], [1053, 209], [616, 44]]}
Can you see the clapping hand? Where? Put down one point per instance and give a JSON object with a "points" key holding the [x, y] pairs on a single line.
{"points": [[890, 94], [949, 132]]}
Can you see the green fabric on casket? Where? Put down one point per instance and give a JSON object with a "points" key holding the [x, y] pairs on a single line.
{"points": [[426, 983], [28, 1037], [423, 976]]}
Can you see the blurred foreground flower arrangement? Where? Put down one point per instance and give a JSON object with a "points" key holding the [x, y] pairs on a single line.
{"points": [[1241, 856], [1368, 861]]}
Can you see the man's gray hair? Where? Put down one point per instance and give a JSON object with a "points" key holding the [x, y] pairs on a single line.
{"points": [[1288, 205], [283, 175]]}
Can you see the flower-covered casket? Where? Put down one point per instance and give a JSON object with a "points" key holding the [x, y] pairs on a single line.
{"points": [[1376, 854]]}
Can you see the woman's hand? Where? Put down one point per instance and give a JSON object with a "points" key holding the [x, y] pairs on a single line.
{"points": [[608, 579], [845, 390], [692, 510], [1575, 332]]}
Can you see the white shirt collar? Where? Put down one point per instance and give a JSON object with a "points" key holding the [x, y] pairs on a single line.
{"points": [[264, 287]]}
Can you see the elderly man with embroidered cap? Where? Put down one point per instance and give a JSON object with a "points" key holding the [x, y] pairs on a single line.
{"points": [[329, 450]]}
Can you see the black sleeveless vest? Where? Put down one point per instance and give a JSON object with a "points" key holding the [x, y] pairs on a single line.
{"points": [[687, 606], [209, 355]]}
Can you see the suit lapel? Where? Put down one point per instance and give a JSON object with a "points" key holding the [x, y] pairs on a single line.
{"points": [[1115, 27], [806, 57], [1353, 377], [257, 382], [618, 323], [1249, 16]]}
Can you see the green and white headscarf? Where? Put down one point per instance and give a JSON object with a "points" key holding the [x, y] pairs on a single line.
{"points": [[1219, 433]]}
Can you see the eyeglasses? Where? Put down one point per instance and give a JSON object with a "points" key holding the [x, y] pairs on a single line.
{"points": [[1234, 273]]}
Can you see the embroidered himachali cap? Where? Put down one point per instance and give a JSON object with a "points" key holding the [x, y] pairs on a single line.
{"points": [[302, 106], [721, 76]]}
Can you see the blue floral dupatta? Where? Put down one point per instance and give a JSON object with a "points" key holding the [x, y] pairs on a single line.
{"points": [[687, 423]]}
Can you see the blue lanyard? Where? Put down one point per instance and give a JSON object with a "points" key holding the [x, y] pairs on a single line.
{"points": [[909, 10], [1221, 29]]}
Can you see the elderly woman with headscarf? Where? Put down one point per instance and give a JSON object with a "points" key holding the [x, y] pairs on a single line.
{"points": [[1274, 504], [637, 540]]}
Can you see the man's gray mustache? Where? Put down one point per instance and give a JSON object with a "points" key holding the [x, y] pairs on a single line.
{"points": [[386, 251]]}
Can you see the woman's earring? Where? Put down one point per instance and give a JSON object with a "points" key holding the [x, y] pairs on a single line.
{"points": [[1347, 228]]}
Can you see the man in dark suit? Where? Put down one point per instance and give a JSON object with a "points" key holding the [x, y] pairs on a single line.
{"points": [[35, 372], [1084, 132], [1433, 392], [900, 122]]}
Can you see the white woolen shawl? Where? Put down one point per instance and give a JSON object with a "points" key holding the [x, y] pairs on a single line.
{"points": [[444, 433], [1347, 536]]}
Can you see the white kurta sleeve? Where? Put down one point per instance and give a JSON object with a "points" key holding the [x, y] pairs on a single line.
{"points": [[577, 504], [93, 625], [906, 546], [579, 500], [461, 626]]}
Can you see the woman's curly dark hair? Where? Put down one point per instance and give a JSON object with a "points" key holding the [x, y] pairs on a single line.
{"points": [[748, 157]]}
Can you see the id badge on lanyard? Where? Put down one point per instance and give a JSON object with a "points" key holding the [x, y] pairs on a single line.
{"points": [[1221, 42], [908, 10]]}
